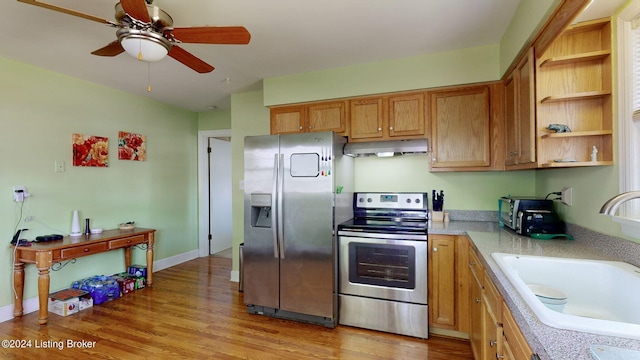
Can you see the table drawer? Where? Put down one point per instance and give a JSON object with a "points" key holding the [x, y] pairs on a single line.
{"points": [[83, 250], [119, 243]]}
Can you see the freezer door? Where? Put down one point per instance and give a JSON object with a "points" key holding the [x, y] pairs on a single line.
{"points": [[260, 262], [307, 255]]}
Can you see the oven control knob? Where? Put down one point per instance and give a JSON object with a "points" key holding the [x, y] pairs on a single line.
{"points": [[408, 201], [361, 199], [417, 201], [369, 200]]}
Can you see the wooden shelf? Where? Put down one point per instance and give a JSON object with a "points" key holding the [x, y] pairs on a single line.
{"points": [[576, 96], [554, 164], [571, 59], [577, 134]]}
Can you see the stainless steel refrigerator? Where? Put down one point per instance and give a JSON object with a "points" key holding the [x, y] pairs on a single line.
{"points": [[297, 189]]}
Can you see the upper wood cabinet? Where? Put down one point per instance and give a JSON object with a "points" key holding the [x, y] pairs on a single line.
{"points": [[574, 84], [389, 117], [520, 119], [314, 117], [368, 117], [467, 128]]}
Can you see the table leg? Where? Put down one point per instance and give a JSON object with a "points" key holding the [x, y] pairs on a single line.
{"points": [[43, 263], [18, 284], [127, 257], [150, 260]]}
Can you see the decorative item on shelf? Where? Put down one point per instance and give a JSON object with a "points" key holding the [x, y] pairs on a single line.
{"points": [[87, 228], [96, 231], [75, 225], [127, 226], [559, 128], [594, 153]]}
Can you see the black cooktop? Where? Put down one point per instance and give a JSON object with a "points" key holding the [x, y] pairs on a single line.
{"points": [[384, 226]]}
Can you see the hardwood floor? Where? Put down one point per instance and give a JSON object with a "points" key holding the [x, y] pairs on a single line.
{"points": [[193, 311]]}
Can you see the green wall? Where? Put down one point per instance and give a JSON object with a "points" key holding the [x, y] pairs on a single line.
{"points": [[39, 112], [214, 120]]}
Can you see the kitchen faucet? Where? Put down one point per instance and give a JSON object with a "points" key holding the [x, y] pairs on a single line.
{"points": [[610, 207]]}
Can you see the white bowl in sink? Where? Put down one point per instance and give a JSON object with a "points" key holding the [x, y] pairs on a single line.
{"points": [[602, 297]]}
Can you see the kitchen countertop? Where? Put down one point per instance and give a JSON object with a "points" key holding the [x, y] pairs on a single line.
{"points": [[548, 342]]}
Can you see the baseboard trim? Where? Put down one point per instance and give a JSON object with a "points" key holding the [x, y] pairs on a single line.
{"points": [[31, 304], [235, 276]]}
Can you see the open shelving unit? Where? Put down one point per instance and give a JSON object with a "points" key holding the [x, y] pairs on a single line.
{"points": [[573, 88]]}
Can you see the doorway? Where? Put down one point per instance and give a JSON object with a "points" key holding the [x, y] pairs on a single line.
{"points": [[214, 189]]}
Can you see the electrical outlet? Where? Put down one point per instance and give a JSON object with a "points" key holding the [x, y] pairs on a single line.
{"points": [[58, 166], [567, 196], [19, 193]]}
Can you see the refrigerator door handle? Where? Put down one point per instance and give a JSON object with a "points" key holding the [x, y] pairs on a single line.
{"points": [[274, 205], [280, 208]]}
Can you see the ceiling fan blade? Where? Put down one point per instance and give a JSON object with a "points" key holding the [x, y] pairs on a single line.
{"points": [[190, 60], [137, 9], [213, 35], [114, 48], [67, 11]]}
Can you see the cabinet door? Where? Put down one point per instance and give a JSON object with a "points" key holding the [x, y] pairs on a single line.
{"points": [[460, 121], [511, 121], [513, 336], [492, 336], [406, 115], [526, 106], [476, 318], [287, 119], [328, 116], [367, 118], [442, 282]]}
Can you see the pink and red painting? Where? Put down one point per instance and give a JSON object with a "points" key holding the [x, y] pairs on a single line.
{"points": [[89, 150], [132, 146]]}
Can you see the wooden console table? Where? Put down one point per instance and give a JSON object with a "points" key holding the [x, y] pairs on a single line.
{"points": [[43, 255]]}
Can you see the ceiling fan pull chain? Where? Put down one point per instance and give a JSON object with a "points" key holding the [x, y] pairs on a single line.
{"points": [[149, 77], [140, 51]]}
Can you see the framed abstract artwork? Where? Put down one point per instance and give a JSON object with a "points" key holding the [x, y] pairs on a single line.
{"points": [[89, 150], [132, 146]]}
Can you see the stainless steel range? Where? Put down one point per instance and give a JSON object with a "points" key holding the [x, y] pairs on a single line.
{"points": [[382, 257]]}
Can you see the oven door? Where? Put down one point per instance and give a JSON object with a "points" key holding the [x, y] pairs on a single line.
{"points": [[379, 266]]}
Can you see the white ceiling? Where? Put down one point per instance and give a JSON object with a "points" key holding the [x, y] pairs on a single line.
{"points": [[287, 37]]}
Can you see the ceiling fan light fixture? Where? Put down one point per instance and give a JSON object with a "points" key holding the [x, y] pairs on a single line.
{"points": [[144, 45]]}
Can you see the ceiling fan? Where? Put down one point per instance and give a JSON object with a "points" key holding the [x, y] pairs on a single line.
{"points": [[146, 32]]}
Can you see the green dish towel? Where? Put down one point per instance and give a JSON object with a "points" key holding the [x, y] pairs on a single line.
{"points": [[551, 236]]}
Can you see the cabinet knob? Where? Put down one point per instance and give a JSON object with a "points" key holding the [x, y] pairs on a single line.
{"points": [[310, 127], [477, 300], [300, 128], [492, 343], [498, 356], [391, 128], [435, 249], [379, 129]]}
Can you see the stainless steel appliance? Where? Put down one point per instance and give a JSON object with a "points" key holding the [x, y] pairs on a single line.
{"points": [[383, 264], [510, 206], [297, 188], [529, 215]]}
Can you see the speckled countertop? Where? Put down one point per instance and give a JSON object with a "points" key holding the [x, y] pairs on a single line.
{"points": [[548, 342]]}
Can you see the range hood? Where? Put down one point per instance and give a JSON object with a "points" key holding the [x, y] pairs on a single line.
{"points": [[387, 148]]}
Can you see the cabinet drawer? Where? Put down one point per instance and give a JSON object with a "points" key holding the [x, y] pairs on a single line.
{"points": [[119, 243], [83, 250], [476, 267], [493, 300]]}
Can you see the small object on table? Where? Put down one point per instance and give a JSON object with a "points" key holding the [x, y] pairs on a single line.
{"points": [[127, 226]]}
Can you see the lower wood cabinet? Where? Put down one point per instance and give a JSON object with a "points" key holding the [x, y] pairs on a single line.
{"points": [[448, 284], [493, 331]]}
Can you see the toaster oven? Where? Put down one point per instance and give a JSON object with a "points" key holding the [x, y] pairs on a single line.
{"points": [[511, 208]]}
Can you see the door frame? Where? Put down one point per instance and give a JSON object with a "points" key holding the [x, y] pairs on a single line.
{"points": [[203, 187]]}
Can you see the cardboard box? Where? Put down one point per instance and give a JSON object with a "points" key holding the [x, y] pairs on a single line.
{"points": [[67, 302], [126, 281]]}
